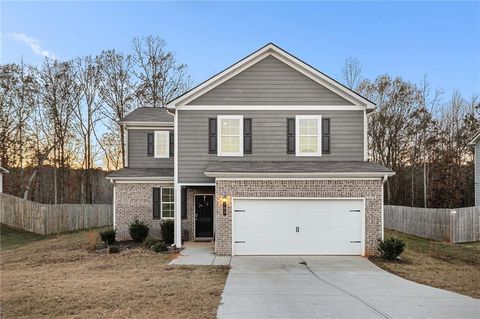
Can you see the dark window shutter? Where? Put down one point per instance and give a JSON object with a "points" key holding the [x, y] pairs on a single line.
{"points": [[247, 136], [184, 203], [150, 143], [172, 144], [212, 136], [326, 136], [156, 203], [290, 136]]}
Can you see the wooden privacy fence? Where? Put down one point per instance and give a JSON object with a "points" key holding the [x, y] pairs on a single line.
{"points": [[51, 219], [457, 225]]}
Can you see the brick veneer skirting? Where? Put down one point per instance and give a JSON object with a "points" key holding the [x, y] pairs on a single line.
{"points": [[371, 190], [134, 201]]}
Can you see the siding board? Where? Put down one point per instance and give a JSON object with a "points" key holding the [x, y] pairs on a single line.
{"points": [[269, 136], [270, 82], [137, 152]]}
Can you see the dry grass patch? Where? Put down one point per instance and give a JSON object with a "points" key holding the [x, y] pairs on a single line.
{"points": [[59, 278], [448, 266]]}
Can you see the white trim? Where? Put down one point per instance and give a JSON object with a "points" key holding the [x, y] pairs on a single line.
{"points": [[140, 123], [166, 135], [196, 184], [114, 204], [195, 215], [271, 107], [219, 134], [161, 204], [150, 128], [125, 142], [144, 182], [365, 136], [298, 153], [140, 179], [298, 198], [283, 56], [177, 189], [298, 179], [298, 175], [474, 139]]}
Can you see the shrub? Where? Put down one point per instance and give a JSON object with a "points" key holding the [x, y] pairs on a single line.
{"points": [[138, 231], [391, 248], [168, 228], [113, 249], [108, 236], [92, 240], [150, 241], [159, 246]]}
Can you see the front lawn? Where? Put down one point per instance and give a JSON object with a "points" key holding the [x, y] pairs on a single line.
{"points": [[454, 267], [58, 277], [12, 237]]}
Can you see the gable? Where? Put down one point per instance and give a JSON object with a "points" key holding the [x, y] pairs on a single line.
{"points": [[270, 82]]}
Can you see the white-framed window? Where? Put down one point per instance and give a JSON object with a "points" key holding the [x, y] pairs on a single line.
{"points": [[167, 202], [162, 144], [308, 132], [230, 135]]}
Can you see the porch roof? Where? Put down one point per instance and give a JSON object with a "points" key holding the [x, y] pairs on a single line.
{"points": [[142, 174], [305, 168]]}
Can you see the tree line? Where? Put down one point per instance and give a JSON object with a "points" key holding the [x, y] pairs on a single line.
{"points": [[423, 136], [59, 136], [58, 129]]}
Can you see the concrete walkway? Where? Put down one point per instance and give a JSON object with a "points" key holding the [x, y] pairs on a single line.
{"points": [[199, 253], [332, 287]]}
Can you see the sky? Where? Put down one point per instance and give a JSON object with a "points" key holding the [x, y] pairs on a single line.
{"points": [[407, 39]]}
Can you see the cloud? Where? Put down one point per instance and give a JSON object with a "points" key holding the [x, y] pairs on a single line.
{"points": [[33, 43]]}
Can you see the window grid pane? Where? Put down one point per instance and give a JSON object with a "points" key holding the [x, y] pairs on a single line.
{"points": [[168, 210], [230, 135], [308, 135]]}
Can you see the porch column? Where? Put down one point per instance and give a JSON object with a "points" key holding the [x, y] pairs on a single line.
{"points": [[178, 216]]}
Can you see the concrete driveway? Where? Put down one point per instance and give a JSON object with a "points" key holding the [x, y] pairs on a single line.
{"points": [[332, 287]]}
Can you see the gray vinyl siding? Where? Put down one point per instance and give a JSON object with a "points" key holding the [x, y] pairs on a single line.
{"points": [[270, 82], [477, 173], [137, 151], [269, 139]]}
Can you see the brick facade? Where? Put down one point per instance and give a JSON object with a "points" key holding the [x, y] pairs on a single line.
{"points": [[135, 201], [371, 190]]}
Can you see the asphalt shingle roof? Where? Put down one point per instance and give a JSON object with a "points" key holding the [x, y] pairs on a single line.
{"points": [[296, 167], [148, 114], [142, 172]]}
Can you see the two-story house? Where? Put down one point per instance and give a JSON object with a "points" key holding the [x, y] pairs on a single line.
{"points": [[268, 157]]}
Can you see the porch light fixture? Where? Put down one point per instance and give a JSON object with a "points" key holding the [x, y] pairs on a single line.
{"points": [[224, 204]]}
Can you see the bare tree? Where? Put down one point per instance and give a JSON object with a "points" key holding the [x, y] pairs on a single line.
{"points": [[87, 114], [352, 73], [116, 90], [161, 78]]}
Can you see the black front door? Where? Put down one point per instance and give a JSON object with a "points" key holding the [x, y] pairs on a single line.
{"points": [[203, 215]]}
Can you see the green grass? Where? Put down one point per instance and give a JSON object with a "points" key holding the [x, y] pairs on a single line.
{"points": [[468, 252], [12, 237]]}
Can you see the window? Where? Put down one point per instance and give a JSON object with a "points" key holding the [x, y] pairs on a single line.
{"points": [[162, 144], [230, 135], [167, 202], [308, 135]]}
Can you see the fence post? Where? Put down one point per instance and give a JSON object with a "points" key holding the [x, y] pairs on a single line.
{"points": [[453, 226]]}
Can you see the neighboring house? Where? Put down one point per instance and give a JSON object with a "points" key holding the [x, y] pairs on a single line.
{"points": [[268, 157], [476, 143], [2, 172]]}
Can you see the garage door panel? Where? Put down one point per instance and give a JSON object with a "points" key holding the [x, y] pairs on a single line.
{"points": [[269, 227]]}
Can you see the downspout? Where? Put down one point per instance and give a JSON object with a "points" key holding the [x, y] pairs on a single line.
{"points": [[114, 202], [384, 180], [177, 187]]}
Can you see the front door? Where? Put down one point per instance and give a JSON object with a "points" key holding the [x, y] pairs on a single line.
{"points": [[204, 216]]}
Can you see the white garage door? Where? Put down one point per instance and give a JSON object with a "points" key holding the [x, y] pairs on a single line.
{"points": [[297, 227]]}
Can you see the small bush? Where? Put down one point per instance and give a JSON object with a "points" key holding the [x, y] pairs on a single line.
{"points": [[159, 246], [108, 236], [150, 241], [92, 240], [138, 231], [391, 248], [113, 249], [168, 229]]}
